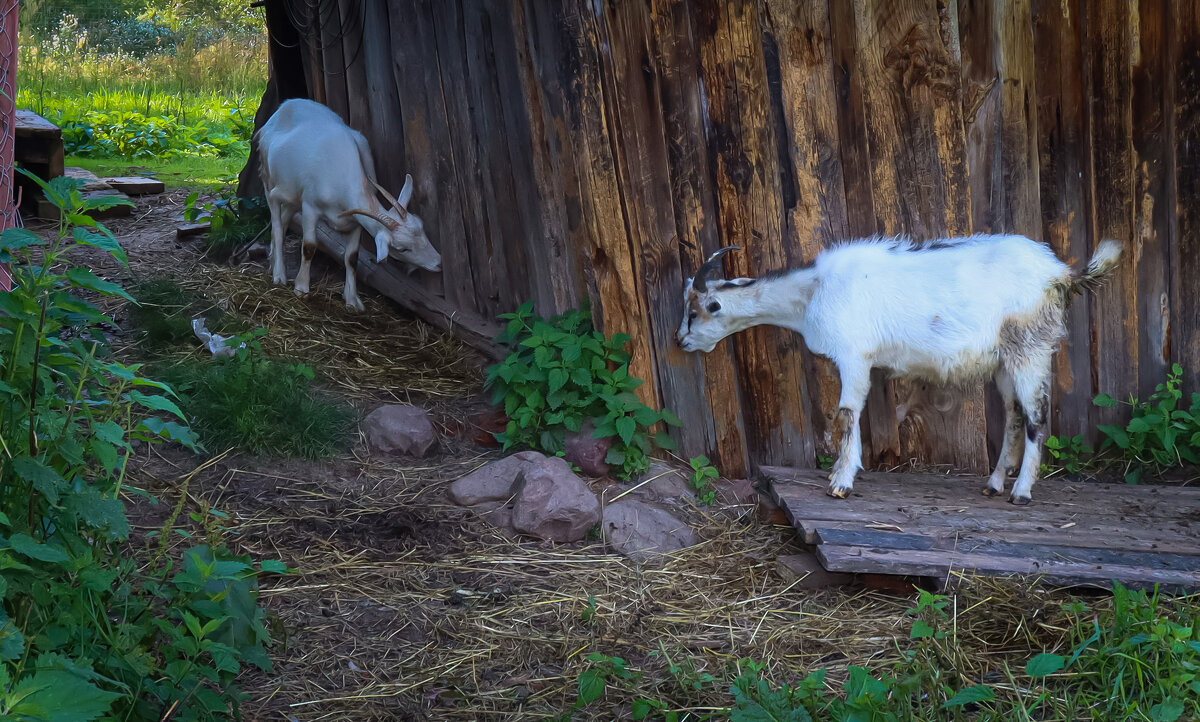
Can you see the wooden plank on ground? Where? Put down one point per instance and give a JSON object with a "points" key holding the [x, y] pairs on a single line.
{"points": [[927, 524]]}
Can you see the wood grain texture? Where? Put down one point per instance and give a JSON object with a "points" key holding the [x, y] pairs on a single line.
{"points": [[742, 135], [1186, 259]]}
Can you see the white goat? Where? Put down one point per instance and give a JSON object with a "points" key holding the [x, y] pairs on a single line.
{"points": [[314, 164], [954, 310]]}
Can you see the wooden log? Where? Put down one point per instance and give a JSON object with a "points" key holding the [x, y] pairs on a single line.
{"points": [[694, 206], [136, 185], [799, 60], [1065, 190], [743, 137], [1115, 306], [387, 278]]}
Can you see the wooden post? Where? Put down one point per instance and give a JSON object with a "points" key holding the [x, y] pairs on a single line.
{"points": [[9, 217]]}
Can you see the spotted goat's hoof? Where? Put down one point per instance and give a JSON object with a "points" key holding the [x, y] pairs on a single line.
{"points": [[839, 492], [989, 491]]}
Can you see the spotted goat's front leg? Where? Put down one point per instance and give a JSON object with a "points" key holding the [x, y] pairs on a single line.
{"points": [[1011, 449], [856, 382]]}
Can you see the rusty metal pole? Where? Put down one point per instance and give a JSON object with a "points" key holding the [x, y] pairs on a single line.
{"points": [[9, 216]]}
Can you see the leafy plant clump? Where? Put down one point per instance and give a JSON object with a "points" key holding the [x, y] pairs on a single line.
{"points": [[260, 405], [1160, 434], [85, 629], [233, 220], [561, 374], [703, 474]]}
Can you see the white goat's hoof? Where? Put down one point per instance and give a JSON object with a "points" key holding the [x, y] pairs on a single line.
{"points": [[839, 492], [1019, 500], [300, 291], [355, 305]]}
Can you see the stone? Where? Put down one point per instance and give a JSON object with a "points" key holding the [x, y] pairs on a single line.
{"points": [[736, 491], [187, 230], [640, 530], [492, 482], [400, 429], [91, 182], [663, 482], [553, 503], [584, 450], [136, 185], [809, 572]]}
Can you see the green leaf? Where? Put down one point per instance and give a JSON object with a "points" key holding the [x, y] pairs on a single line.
{"points": [[104, 242], [591, 686], [558, 379], [1116, 433], [664, 441], [1137, 426], [105, 453], [109, 431], [1168, 710], [156, 403], [970, 695], [669, 417], [626, 426], [55, 695], [27, 546], [14, 238], [645, 415], [615, 457], [1044, 665], [273, 566], [642, 708], [46, 480], [84, 278], [1104, 400], [99, 511], [920, 630]]}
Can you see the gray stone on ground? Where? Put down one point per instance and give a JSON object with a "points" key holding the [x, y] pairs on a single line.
{"points": [[808, 570], [587, 452], [553, 503], [400, 429], [640, 530], [136, 185], [492, 482], [663, 481]]}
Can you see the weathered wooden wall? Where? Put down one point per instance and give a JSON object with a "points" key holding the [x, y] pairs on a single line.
{"points": [[564, 148]]}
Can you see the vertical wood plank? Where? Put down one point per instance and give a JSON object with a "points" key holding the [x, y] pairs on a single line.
{"points": [[358, 112], [694, 207], [909, 58], [800, 67], [1186, 347], [634, 96], [1153, 76], [386, 134], [333, 59], [1115, 306], [742, 136], [429, 151], [1066, 193]]}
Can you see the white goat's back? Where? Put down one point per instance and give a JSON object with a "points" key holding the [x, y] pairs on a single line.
{"points": [[928, 307], [308, 144]]}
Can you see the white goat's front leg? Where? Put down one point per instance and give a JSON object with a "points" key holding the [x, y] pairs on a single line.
{"points": [[1014, 436], [856, 383], [281, 216], [1032, 383], [350, 258], [308, 224]]}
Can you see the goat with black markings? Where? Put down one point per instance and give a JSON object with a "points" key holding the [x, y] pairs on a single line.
{"points": [[949, 311]]}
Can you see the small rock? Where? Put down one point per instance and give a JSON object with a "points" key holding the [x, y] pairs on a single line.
{"points": [[258, 252], [486, 424], [493, 482], [809, 571], [665, 482], [553, 503], [640, 530], [187, 230], [400, 428], [736, 491], [584, 450]]}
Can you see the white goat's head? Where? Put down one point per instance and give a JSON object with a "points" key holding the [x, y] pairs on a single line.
{"points": [[406, 239], [706, 320]]}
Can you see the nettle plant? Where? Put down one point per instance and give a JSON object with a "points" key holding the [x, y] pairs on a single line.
{"points": [[561, 374], [1159, 434], [85, 629]]}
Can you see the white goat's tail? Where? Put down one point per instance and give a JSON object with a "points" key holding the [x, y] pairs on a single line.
{"points": [[1099, 268]]}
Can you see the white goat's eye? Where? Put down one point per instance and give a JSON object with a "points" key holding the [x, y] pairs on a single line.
{"points": [[714, 307]]}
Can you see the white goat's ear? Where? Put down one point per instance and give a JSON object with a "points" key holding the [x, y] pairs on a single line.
{"points": [[406, 192], [381, 247]]}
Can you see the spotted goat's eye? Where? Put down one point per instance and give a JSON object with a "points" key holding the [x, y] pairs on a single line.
{"points": [[692, 316], [714, 307]]}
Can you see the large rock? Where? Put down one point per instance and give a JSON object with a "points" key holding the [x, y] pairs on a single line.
{"points": [[553, 503], [493, 482], [584, 450], [640, 530], [400, 429]]}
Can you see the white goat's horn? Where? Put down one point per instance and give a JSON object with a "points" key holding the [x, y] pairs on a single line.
{"points": [[395, 203], [700, 281], [389, 223]]}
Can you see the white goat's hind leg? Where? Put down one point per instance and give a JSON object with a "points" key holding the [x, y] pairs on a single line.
{"points": [[1014, 435], [1032, 383], [308, 223], [281, 216], [350, 258], [856, 382]]}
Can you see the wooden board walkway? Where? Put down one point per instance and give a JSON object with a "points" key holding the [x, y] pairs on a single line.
{"points": [[1073, 533]]}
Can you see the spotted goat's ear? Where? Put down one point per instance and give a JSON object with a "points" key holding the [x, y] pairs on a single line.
{"points": [[700, 281]]}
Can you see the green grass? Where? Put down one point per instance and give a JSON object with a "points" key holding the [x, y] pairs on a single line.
{"points": [[209, 174], [164, 312], [259, 405]]}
